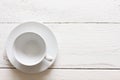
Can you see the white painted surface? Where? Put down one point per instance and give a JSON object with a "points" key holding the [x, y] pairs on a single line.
{"points": [[80, 45], [61, 75], [60, 10], [87, 32]]}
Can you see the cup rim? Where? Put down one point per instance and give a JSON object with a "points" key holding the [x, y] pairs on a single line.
{"points": [[44, 54]]}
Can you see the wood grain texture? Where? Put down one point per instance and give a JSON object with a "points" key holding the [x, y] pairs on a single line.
{"points": [[80, 45], [87, 31], [60, 10], [61, 75]]}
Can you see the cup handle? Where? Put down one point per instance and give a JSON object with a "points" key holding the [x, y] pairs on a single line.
{"points": [[48, 58]]}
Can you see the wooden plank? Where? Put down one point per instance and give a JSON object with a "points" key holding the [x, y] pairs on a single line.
{"points": [[80, 45], [13, 74], [60, 10]]}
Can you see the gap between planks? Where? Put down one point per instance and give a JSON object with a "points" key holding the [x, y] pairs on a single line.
{"points": [[65, 22], [72, 68]]}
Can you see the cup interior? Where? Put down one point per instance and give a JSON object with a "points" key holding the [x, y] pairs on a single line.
{"points": [[29, 48]]}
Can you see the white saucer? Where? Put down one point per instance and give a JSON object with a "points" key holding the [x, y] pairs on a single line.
{"points": [[46, 34]]}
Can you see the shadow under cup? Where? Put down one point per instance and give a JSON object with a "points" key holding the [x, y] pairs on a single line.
{"points": [[29, 49]]}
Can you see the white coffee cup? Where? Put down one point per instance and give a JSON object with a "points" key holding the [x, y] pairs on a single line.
{"points": [[29, 49]]}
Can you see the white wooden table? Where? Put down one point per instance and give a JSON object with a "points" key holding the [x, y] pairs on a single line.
{"points": [[87, 31]]}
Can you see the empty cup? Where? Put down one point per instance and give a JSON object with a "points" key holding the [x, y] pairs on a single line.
{"points": [[29, 49]]}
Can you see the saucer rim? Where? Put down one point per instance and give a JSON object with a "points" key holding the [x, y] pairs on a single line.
{"points": [[41, 66]]}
